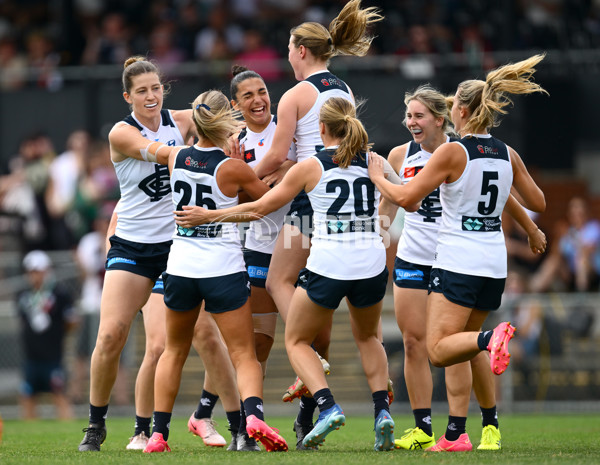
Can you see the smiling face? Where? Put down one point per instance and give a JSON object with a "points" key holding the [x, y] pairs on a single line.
{"points": [[145, 96], [253, 101], [422, 124]]}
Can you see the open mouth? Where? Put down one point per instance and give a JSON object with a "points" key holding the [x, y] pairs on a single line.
{"points": [[151, 105]]}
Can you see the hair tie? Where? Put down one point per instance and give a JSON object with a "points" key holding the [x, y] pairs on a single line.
{"points": [[329, 41], [202, 105]]}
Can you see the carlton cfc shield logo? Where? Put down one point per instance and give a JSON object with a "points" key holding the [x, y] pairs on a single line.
{"points": [[156, 186]]}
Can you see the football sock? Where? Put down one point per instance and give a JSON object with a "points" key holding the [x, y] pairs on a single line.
{"points": [[456, 427], [423, 420], [484, 339], [142, 425], [324, 399], [206, 405], [98, 414], [307, 410], [233, 418], [380, 401], [254, 406], [489, 416], [162, 424]]}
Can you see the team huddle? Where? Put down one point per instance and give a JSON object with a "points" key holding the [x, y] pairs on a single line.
{"points": [[317, 199]]}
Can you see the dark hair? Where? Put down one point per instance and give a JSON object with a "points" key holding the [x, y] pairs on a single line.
{"points": [[136, 65], [240, 74]]}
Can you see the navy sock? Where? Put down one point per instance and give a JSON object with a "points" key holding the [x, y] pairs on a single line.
{"points": [[162, 424], [423, 419], [489, 416], [456, 427], [380, 401], [206, 405], [307, 410], [98, 414], [484, 339], [234, 418], [142, 425], [254, 406], [324, 399]]}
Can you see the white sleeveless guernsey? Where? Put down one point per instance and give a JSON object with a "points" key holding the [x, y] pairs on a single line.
{"points": [[145, 211], [419, 236], [262, 234], [307, 137], [470, 239], [209, 250], [346, 244]]}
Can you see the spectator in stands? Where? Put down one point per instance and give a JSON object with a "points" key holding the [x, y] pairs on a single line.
{"points": [[13, 65], [64, 174], [574, 259], [22, 190], [45, 60], [519, 254], [45, 310], [111, 44], [220, 39], [259, 57]]}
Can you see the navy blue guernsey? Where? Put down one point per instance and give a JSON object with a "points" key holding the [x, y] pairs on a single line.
{"points": [[164, 115], [326, 159], [327, 81], [197, 161], [488, 147]]}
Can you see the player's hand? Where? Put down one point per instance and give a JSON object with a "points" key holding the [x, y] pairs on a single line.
{"points": [[375, 166], [537, 241], [192, 216]]}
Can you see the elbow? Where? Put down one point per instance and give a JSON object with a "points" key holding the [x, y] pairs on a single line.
{"points": [[540, 205]]}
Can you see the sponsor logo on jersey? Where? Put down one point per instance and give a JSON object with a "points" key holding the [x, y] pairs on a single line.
{"points": [[249, 155], [261, 142], [189, 161], [484, 224], [409, 275], [157, 185], [486, 149], [412, 171]]}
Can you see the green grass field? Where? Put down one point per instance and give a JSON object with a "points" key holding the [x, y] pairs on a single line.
{"points": [[527, 439]]}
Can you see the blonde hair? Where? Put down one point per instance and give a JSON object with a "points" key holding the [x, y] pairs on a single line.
{"points": [[339, 116], [136, 65], [486, 100], [213, 116], [434, 101], [346, 35]]}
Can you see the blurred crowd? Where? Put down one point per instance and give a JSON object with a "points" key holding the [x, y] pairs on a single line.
{"points": [[58, 197], [37, 37]]}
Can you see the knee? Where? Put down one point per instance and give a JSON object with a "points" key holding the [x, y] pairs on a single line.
{"points": [[414, 347], [435, 357], [153, 352], [110, 342]]}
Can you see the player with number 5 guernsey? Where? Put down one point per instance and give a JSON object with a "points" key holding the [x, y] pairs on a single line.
{"points": [[475, 175]]}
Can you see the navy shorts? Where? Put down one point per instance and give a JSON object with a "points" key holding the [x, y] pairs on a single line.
{"points": [[220, 294], [148, 260], [328, 292], [409, 275], [43, 377], [301, 214], [257, 264], [468, 291]]}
